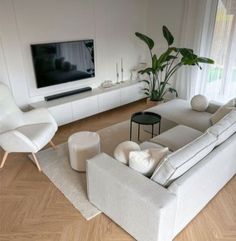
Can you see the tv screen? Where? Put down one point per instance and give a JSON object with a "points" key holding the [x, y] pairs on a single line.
{"points": [[57, 63]]}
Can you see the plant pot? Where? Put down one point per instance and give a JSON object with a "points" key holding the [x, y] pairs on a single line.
{"points": [[151, 103]]}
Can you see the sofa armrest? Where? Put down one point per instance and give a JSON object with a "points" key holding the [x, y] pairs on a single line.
{"points": [[213, 107], [142, 207]]}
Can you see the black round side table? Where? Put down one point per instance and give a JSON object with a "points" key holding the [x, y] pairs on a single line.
{"points": [[145, 118]]}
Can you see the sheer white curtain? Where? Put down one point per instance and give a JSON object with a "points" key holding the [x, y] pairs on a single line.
{"points": [[212, 34], [219, 80], [197, 30]]}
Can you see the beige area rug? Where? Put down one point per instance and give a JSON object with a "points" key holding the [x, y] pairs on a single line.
{"points": [[55, 165]]}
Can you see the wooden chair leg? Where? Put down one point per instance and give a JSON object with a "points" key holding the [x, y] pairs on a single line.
{"points": [[4, 159], [36, 161], [53, 145]]}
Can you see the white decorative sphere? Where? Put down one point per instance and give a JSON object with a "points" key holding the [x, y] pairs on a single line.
{"points": [[199, 103], [122, 151]]}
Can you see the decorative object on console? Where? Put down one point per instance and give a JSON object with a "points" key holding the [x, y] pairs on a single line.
{"points": [[135, 71], [23, 131], [117, 74], [121, 152], [122, 70], [163, 68], [107, 84], [145, 161], [199, 103]]}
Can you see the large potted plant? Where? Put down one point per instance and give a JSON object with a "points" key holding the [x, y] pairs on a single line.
{"points": [[164, 67]]}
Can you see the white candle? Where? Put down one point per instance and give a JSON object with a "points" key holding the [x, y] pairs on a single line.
{"points": [[121, 68]]}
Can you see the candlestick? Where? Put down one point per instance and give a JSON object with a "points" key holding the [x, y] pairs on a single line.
{"points": [[122, 70], [117, 74]]}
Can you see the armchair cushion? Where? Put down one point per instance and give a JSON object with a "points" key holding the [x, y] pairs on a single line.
{"points": [[15, 141], [37, 116], [39, 134]]}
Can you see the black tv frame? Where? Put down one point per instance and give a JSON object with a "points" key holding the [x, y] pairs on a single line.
{"points": [[33, 45]]}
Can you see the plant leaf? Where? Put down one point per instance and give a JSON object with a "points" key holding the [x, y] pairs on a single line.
{"points": [[154, 63], [205, 60], [147, 71], [146, 39], [163, 57], [146, 81], [168, 36], [172, 90], [186, 52]]}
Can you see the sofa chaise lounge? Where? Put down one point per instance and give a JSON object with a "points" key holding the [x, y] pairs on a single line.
{"points": [[202, 161]]}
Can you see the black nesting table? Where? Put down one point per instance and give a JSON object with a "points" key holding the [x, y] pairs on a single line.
{"points": [[145, 118]]}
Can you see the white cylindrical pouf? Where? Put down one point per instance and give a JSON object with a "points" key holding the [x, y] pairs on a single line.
{"points": [[83, 146]]}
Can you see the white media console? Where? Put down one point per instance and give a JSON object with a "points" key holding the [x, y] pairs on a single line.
{"points": [[78, 106]]}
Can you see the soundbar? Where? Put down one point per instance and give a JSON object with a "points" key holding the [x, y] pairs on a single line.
{"points": [[68, 93]]}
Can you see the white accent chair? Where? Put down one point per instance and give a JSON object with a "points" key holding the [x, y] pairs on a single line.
{"points": [[23, 131]]}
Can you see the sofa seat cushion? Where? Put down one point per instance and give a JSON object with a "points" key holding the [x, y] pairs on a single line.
{"points": [[148, 145], [180, 161], [177, 137], [180, 112], [224, 128]]}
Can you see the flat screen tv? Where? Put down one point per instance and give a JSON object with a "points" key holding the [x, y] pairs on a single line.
{"points": [[62, 62]]}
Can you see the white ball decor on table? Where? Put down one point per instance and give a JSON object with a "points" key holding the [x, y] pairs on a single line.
{"points": [[199, 103]]}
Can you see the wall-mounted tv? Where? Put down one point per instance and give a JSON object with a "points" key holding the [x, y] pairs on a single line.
{"points": [[62, 62]]}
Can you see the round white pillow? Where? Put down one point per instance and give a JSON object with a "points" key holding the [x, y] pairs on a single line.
{"points": [[199, 103], [121, 153]]}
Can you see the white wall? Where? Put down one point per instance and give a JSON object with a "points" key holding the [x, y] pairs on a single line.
{"points": [[165, 12], [111, 23]]}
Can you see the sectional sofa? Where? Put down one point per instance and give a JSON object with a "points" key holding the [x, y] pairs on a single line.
{"points": [[202, 161]]}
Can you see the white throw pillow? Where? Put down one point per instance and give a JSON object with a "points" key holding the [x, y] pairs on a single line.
{"points": [[223, 111], [146, 161], [199, 103], [121, 153]]}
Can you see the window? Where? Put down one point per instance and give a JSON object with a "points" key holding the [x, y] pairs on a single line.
{"points": [[221, 77]]}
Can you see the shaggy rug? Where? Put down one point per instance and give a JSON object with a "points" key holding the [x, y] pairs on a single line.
{"points": [[55, 165]]}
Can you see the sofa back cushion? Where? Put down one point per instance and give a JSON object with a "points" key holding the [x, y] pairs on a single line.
{"points": [[223, 111], [180, 161], [224, 128]]}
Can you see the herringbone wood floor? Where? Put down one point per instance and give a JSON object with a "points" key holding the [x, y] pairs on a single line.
{"points": [[32, 209]]}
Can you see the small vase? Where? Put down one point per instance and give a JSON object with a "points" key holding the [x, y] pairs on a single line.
{"points": [[151, 103]]}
